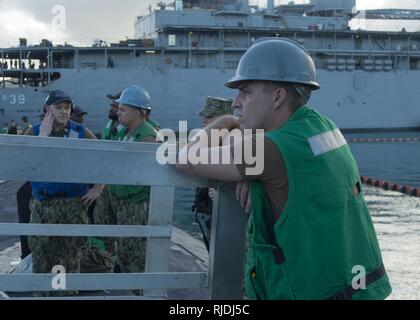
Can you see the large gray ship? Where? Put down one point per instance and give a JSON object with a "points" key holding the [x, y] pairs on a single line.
{"points": [[187, 50]]}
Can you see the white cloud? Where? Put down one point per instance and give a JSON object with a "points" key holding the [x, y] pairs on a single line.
{"points": [[105, 19], [392, 4], [17, 23], [363, 4]]}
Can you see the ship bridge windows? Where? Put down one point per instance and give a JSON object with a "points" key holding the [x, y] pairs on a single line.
{"points": [[171, 40]]}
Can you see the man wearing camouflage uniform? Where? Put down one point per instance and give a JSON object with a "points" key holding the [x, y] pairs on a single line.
{"points": [[59, 203], [128, 205], [214, 109], [113, 127], [95, 258], [203, 203]]}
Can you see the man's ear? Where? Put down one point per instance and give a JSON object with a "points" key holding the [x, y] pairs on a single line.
{"points": [[46, 108], [137, 112], [143, 113], [279, 97]]}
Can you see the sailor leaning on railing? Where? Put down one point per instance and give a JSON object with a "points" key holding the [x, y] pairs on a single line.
{"points": [[310, 229]]}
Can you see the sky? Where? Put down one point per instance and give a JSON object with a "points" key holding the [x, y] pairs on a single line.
{"points": [[78, 21]]}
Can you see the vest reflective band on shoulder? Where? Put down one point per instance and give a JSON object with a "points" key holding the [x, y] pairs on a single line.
{"points": [[326, 142]]}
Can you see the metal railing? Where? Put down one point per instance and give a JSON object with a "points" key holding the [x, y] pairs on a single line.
{"points": [[107, 162]]}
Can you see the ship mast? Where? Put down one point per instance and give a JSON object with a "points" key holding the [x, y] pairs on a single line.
{"points": [[270, 7]]}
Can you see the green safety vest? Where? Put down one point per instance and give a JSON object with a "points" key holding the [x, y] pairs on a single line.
{"points": [[154, 124], [109, 134], [324, 231], [134, 194]]}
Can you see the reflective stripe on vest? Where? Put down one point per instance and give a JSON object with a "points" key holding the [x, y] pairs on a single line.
{"points": [[326, 142]]}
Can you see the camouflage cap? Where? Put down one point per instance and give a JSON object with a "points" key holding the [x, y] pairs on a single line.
{"points": [[216, 107], [114, 96]]}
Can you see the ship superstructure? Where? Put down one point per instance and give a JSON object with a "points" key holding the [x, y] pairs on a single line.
{"points": [[186, 51]]}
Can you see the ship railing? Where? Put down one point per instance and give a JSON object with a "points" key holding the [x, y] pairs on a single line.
{"points": [[106, 162]]}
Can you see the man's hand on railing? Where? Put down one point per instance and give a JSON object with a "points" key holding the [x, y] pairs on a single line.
{"points": [[92, 195], [243, 195]]}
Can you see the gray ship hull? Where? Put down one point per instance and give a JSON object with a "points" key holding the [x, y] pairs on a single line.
{"points": [[357, 100]]}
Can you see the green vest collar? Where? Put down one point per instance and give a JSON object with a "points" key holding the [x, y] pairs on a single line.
{"points": [[299, 113], [296, 115], [141, 132]]}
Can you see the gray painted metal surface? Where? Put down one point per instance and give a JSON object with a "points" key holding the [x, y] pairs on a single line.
{"points": [[122, 281], [227, 246], [14, 229], [160, 213], [87, 161], [66, 160]]}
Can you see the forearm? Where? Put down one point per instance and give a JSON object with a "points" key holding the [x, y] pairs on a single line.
{"points": [[209, 137], [98, 187]]}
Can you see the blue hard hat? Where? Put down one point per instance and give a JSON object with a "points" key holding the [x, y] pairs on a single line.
{"points": [[135, 96]]}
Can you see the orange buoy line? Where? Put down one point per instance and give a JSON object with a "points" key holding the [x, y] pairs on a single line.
{"points": [[387, 185], [356, 140]]}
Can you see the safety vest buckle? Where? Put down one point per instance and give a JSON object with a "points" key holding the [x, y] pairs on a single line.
{"points": [[279, 257]]}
